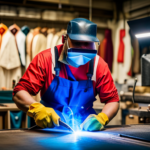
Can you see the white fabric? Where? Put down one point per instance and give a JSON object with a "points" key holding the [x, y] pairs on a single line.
{"points": [[39, 44], [53, 60], [54, 40], [59, 40], [29, 47], [95, 68], [10, 66], [21, 40], [120, 70], [49, 40]]}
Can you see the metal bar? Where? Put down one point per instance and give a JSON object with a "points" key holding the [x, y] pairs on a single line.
{"points": [[90, 10]]}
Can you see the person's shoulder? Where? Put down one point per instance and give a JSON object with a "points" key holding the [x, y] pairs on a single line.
{"points": [[101, 63], [48, 52], [45, 53], [102, 68]]}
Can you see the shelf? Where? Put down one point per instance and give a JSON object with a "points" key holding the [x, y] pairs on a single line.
{"points": [[40, 22], [31, 19]]}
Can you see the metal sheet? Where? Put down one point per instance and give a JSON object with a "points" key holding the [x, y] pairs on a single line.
{"points": [[107, 139]]}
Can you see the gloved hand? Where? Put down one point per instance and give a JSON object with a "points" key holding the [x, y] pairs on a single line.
{"points": [[95, 122], [43, 116]]}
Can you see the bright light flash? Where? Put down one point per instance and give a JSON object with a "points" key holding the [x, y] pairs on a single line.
{"points": [[143, 35], [78, 132]]}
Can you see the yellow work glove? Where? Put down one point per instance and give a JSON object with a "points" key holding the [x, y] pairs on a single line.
{"points": [[95, 122], [44, 116]]}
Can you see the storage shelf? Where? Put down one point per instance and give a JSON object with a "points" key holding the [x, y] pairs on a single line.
{"points": [[39, 20]]}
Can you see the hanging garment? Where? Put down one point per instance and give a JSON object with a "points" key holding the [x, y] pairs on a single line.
{"points": [[20, 41], [120, 70], [39, 44], [44, 31], [14, 29], [63, 95], [62, 32], [50, 36], [106, 49], [55, 40], [49, 40], [29, 41], [109, 49], [25, 30], [9, 61], [102, 49], [120, 58], [3, 30]]}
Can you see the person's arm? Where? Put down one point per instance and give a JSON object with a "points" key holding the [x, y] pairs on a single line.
{"points": [[108, 93], [23, 100], [111, 109], [30, 84]]}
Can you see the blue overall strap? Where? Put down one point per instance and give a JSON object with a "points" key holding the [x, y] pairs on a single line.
{"points": [[69, 73], [90, 72], [57, 63]]}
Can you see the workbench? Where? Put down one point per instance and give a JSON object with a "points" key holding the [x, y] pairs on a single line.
{"points": [[140, 114], [113, 137], [5, 117], [139, 97]]}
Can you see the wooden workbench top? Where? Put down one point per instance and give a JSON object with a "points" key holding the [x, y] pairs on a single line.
{"points": [[9, 106]]}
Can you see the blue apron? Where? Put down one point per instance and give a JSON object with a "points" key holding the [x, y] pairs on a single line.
{"points": [[72, 100]]}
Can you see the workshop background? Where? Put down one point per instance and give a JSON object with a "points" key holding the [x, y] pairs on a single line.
{"points": [[35, 25]]}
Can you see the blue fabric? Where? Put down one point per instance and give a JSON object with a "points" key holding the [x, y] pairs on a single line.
{"points": [[16, 119], [77, 57], [25, 30], [72, 100]]}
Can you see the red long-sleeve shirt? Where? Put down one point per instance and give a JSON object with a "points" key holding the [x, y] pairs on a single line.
{"points": [[38, 76]]}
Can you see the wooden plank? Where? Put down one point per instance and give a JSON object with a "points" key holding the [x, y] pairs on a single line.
{"points": [[9, 106], [23, 122], [1, 122], [8, 119], [26, 121]]}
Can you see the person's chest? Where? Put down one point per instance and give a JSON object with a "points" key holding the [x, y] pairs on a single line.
{"points": [[79, 73]]}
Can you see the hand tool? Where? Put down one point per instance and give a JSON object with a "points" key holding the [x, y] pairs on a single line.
{"points": [[61, 124]]}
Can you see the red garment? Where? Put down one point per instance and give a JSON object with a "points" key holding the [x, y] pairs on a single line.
{"points": [[102, 49], [106, 49], [109, 49], [120, 58], [38, 76]]}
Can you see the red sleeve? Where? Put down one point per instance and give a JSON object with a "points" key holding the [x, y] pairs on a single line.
{"points": [[105, 85], [34, 77]]}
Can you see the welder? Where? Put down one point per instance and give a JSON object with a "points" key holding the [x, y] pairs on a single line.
{"points": [[69, 76]]}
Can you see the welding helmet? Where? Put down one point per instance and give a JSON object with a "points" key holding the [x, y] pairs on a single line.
{"points": [[81, 29]]}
